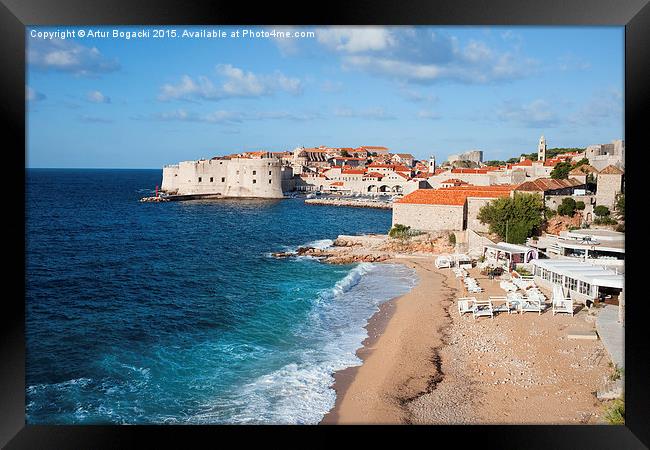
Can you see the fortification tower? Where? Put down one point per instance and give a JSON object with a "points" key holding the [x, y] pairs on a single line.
{"points": [[432, 164], [541, 149]]}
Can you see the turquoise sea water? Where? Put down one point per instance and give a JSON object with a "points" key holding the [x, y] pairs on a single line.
{"points": [[175, 312]]}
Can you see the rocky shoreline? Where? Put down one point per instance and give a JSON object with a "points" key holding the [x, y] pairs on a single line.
{"points": [[372, 248], [349, 202]]}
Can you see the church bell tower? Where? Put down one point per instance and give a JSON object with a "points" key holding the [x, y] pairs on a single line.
{"points": [[541, 149]]}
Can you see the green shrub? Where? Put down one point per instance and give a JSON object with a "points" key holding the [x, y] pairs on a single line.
{"points": [[615, 412], [620, 206], [567, 207], [606, 220], [601, 211], [549, 213], [580, 205], [452, 238], [399, 231]]}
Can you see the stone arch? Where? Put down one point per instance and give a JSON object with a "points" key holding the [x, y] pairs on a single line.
{"points": [[397, 189], [384, 188], [372, 188]]}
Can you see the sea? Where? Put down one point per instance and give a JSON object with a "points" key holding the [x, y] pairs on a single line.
{"points": [[176, 312]]}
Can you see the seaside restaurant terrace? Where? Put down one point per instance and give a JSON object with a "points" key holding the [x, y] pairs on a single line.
{"points": [[508, 255], [584, 281]]}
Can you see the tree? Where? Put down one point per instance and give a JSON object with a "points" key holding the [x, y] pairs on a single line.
{"points": [[580, 205], [561, 171], [567, 207], [345, 154], [514, 219], [601, 211], [582, 162], [452, 238], [620, 206]]}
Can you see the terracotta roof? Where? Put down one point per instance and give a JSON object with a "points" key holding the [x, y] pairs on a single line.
{"points": [[611, 170], [374, 174], [354, 171], [337, 183], [525, 162], [583, 169], [455, 196], [404, 155], [455, 181], [461, 170], [547, 184]]}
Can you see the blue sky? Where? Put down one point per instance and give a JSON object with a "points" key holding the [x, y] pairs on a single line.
{"points": [[141, 103]]}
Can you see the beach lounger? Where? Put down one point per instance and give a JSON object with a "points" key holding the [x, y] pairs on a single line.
{"points": [[502, 307], [483, 308], [532, 305], [465, 305], [513, 302]]}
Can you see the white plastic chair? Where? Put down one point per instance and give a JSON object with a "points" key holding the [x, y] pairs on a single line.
{"points": [[483, 308], [561, 303], [465, 305]]}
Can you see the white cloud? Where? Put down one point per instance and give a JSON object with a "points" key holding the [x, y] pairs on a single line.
{"points": [[427, 114], [225, 117], [571, 62], [355, 39], [97, 97], [425, 56], [235, 83], [604, 107], [536, 114], [69, 56], [332, 87], [33, 96], [376, 113]]}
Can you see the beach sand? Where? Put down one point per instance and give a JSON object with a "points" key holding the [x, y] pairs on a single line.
{"points": [[423, 364]]}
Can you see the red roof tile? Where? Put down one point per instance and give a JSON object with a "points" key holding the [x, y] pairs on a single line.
{"points": [[455, 196]]}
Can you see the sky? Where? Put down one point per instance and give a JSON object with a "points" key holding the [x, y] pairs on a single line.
{"points": [[112, 102]]}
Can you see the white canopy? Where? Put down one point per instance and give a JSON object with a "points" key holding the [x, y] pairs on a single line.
{"points": [[583, 271]]}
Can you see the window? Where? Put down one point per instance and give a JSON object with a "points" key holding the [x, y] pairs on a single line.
{"points": [[211, 179], [199, 179], [254, 181], [584, 288], [238, 172], [556, 278], [269, 172], [223, 179], [269, 181], [254, 172]]}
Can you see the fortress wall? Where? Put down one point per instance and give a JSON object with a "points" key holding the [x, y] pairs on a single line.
{"points": [[237, 177]]}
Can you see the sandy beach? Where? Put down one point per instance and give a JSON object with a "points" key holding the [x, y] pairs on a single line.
{"points": [[424, 364]]}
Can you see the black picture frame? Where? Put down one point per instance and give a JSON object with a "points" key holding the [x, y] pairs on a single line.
{"points": [[15, 15]]}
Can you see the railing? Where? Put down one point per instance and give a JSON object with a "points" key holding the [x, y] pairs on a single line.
{"points": [[170, 166]]}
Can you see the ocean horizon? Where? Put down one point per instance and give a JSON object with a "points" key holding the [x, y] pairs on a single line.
{"points": [[176, 312]]}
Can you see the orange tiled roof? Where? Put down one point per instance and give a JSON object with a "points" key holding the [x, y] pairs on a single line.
{"points": [[611, 170], [525, 162], [461, 170], [337, 183], [455, 196], [374, 175], [547, 184], [583, 169], [354, 171], [455, 181]]}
